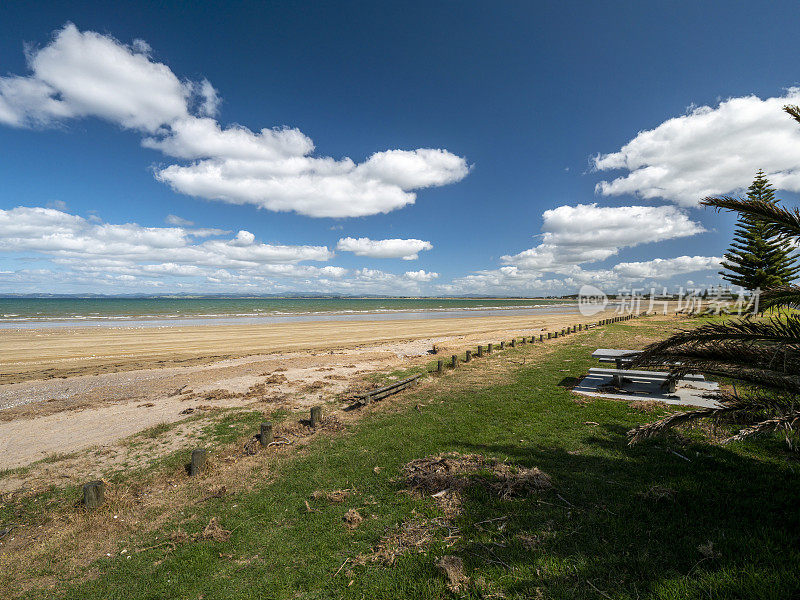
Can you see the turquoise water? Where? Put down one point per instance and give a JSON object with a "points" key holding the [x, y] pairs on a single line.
{"points": [[41, 312]]}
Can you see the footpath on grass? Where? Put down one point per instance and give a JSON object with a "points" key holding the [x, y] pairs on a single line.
{"points": [[492, 480]]}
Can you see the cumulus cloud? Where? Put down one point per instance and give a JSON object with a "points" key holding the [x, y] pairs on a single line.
{"points": [[80, 241], [709, 151], [393, 248], [421, 275], [663, 268], [86, 255], [82, 74], [590, 233]]}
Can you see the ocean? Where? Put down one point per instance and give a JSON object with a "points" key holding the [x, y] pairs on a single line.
{"points": [[165, 311]]}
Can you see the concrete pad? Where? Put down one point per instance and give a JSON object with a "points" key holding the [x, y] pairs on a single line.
{"points": [[687, 393]]}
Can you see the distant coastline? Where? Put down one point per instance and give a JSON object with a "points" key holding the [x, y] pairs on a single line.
{"points": [[148, 311]]}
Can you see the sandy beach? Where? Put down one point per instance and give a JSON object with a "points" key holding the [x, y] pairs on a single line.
{"points": [[66, 390]]}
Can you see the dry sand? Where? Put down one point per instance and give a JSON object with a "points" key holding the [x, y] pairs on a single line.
{"points": [[66, 390]]}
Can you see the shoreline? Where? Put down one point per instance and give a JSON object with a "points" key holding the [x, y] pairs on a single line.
{"points": [[30, 354], [145, 321]]}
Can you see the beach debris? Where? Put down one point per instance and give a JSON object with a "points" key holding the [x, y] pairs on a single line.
{"points": [[186, 411], [453, 568], [352, 519], [178, 392], [145, 405], [215, 532]]}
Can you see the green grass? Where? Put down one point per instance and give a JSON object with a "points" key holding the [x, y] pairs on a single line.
{"points": [[596, 534]]}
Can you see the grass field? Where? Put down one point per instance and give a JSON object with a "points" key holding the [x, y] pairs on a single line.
{"points": [[678, 517]]}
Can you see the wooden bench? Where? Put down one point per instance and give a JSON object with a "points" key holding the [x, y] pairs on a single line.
{"points": [[618, 377]]}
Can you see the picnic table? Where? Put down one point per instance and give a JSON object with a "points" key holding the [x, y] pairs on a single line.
{"points": [[621, 358]]}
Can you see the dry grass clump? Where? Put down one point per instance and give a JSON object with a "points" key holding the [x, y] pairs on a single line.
{"points": [[456, 472], [214, 532], [647, 406], [334, 497], [352, 519], [413, 535], [453, 568]]}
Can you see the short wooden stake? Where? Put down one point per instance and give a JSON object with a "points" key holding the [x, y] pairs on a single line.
{"points": [[94, 494], [488, 348], [468, 356], [513, 342], [198, 464], [265, 436], [549, 335], [502, 345], [316, 415], [439, 366], [480, 351], [454, 361]]}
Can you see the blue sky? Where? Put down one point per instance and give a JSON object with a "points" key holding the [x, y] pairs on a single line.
{"points": [[475, 137]]}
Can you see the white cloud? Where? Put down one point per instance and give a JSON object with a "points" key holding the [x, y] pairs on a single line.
{"points": [[663, 268], [73, 238], [394, 248], [710, 151], [85, 255], [81, 74], [173, 220], [421, 275], [88, 74], [590, 233]]}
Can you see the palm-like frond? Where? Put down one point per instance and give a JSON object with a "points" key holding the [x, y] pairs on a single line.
{"points": [[779, 220], [679, 367], [765, 412], [787, 296], [784, 330]]}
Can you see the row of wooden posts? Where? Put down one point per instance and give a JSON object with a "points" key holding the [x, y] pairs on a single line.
{"points": [[94, 491], [454, 359]]}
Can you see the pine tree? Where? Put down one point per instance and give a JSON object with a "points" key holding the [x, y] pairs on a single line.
{"points": [[757, 258]]}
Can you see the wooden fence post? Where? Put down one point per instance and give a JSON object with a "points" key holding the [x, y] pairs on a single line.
{"points": [[502, 345], [468, 356], [198, 464], [489, 348], [513, 342], [439, 366], [480, 351], [454, 362], [265, 436], [94, 493], [316, 415]]}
